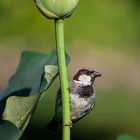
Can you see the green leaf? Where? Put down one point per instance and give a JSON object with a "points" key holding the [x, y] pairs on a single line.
{"points": [[28, 75], [19, 109], [35, 73], [9, 131], [126, 137], [50, 71], [29, 78]]}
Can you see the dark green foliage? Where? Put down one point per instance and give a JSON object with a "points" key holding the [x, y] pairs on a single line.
{"points": [[9, 131], [35, 73], [126, 137]]}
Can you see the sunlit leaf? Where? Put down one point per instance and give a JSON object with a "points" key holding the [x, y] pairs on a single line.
{"points": [[50, 71], [18, 109]]}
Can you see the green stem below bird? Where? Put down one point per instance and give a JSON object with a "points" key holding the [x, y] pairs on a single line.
{"points": [[59, 33]]}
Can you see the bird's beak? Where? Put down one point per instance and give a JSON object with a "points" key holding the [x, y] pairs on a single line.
{"points": [[97, 74]]}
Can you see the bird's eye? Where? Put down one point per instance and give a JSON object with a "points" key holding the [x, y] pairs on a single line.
{"points": [[89, 72]]}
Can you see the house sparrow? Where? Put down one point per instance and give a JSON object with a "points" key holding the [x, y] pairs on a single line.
{"points": [[82, 97]]}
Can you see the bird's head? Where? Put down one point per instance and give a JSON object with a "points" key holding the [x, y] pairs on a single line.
{"points": [[86, 76]]}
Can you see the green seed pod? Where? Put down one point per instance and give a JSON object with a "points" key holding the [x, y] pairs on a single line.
{"points": [[55, 9]]}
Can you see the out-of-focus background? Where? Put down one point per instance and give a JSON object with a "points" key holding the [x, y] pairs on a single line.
{"points": [[102, 34]]}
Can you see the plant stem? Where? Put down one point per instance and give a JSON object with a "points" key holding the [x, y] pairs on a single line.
{"points": [[59, 33]]}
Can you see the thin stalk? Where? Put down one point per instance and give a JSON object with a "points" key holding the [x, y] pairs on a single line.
{"points": [[59, 33]]}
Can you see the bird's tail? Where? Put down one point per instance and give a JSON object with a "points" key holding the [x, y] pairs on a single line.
{"points": [[53, 125]]}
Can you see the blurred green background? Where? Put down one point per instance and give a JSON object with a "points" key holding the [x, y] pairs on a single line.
{"points": [[102, 34]]}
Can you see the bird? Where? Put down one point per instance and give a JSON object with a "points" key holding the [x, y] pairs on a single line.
{"points": [[82, 98]]}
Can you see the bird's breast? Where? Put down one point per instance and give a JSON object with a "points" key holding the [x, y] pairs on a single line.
{"points": [[80, 106]]}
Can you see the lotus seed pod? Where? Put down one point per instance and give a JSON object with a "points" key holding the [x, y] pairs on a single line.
{"points": [[55, 9]]}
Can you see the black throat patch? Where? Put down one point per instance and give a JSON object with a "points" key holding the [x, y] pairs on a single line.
{"points": [[86, 91]]}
